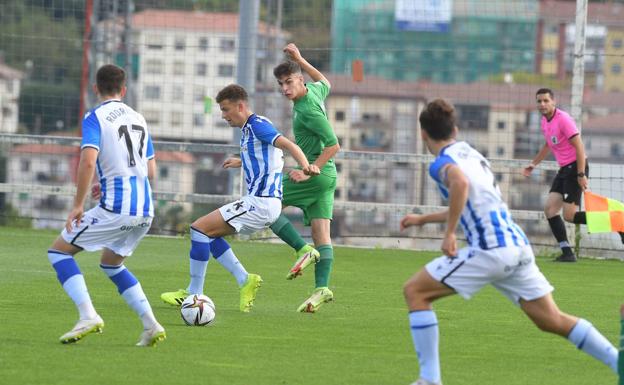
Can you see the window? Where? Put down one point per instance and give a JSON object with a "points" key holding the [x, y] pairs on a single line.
{"points": [[163, 172], [227, 44], [198, 120], [7, 112], [178, 68], [500, 125], [199, 93], [203, 44], [153, 66], [616, 69], [226, 70], [179, 44], [176, 118], [550, 54], [155, 41], [616, 150], [201, 69], [152, 92], [473, 117], [25, 165], [617, 43], [340, 116], [500, 151], [152, 117], [177, 93]]}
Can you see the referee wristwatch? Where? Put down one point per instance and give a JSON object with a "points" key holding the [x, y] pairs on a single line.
{"points": [[580, 174]]}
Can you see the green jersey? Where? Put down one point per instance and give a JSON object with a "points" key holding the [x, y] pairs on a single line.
{"points": [[310, 125]]}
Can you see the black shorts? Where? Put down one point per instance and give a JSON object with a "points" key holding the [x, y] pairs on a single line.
{"points": [[566, 183]]}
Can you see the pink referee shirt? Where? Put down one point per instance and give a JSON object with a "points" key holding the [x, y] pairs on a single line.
{"points": [[557, 132]]}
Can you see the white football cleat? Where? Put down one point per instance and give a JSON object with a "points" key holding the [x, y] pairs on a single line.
{"points": [[82, 328], [150, 337]]}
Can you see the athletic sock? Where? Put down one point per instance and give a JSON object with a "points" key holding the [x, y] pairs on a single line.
{"points": [[322, 269], [621, 353], [586, 338], [287, 233], [199, 256], [73, 282], [580, 218], [223, 253], [131, 291], [559, 231], [425, 335]]}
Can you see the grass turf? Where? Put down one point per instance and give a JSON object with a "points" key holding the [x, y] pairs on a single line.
{"points": [[361, 338]]}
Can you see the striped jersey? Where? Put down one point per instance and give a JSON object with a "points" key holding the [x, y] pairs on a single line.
{"points": [[124, 146], [486, 220], [262, 161]]}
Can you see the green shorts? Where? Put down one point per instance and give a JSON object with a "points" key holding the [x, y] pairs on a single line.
{"points": [[315, 197]]}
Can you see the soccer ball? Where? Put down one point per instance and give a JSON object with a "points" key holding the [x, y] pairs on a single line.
{"points": [[198, 310]]}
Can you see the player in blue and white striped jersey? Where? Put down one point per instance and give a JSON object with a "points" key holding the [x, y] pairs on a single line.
{"points": [[261, 155], [122, 167], [117, 144], [498, 252]]}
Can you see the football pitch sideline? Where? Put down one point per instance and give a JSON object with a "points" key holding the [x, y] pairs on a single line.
{"points": [[362, 338]]}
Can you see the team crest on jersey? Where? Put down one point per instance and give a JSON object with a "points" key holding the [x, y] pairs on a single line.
{"points": [[553, 139], [94, 221]]}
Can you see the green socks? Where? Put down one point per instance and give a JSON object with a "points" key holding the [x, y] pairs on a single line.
{"points": [[287, 233], [322, 269]]}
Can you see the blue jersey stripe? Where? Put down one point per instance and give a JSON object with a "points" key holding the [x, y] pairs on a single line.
{"points": [[103, 192], [133, 195], [255, 167], [466, 230], [500, 236], [148, 199], [118, 195], [99, 168], [265, 159], [478, 226], [503, 214]]}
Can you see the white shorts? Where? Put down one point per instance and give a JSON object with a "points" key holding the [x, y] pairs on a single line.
{"points": [[101, 229], [250, 214], [511, 270]]}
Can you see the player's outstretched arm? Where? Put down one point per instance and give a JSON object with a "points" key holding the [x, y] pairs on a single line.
{"points": [[541, 155], [86, 169], [422, 219], [232, 163], [292, 52], [285, 144]]}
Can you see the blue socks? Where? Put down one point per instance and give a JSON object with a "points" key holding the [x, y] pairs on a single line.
{"points": [[586, 338], [131, 291], [200, 254], [73, 282], [425, 335]]}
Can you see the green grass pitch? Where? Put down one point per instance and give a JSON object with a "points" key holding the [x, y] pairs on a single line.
{"points": [[361, 338]]}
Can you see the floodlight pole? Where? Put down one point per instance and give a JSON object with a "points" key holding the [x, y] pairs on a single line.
{"points": [[578, 81], [248, 16]]}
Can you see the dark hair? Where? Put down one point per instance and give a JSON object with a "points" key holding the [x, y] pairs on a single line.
{"points": [[286, 68], [438, 119], [110, 79], [545, 91], [233, 92]]}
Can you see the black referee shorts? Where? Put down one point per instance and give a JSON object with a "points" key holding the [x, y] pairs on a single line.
{"points": [[566, 183]]}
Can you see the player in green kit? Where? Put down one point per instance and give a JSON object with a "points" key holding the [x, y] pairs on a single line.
{"points": [[314, 195]]}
